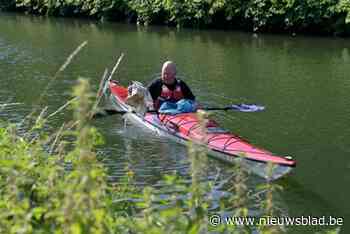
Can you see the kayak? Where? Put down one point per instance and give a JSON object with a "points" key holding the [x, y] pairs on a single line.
{"points": [[220, 144]]}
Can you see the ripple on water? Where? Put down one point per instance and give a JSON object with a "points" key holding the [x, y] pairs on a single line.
{"points": [[13, 54]]}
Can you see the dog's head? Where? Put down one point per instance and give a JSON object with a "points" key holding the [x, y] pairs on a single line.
{"points": [[138, 97]]}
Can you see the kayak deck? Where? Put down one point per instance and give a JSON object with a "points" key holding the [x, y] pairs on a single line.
{"points": [[220, 143]]}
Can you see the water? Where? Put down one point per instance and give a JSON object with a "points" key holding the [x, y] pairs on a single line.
{"points": [[302, 81]]}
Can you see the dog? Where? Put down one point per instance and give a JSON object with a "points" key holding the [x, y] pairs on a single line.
{"points": [[139, 98]]}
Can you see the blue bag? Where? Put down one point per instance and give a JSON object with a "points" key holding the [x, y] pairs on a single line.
{"points": [[182, 106]]}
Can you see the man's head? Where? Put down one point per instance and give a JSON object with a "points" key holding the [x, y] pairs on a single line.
{"points": [[169, 72]]}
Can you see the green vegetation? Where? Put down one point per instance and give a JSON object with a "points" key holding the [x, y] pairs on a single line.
{"points": [[318, 16], [62, 192]]}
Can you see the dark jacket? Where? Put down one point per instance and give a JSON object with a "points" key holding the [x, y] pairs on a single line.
{"points": [[155, 88]]}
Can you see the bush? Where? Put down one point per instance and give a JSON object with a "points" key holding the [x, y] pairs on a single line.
{"points": [[7, 4], [325, 16]]}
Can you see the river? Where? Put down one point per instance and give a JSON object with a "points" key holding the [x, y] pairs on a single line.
{"points": [[303, 82]]}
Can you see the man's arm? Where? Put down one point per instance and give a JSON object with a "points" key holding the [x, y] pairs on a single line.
{"points": [[154, 89]]}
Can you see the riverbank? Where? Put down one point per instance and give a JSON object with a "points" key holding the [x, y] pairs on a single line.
{"points": [[331, 17]]}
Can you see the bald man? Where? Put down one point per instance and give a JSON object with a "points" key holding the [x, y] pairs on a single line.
{"points": [[168, 87]]}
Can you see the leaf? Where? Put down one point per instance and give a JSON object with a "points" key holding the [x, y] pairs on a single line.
{"points": [[347, 19], [75, 228], [38, 212]]}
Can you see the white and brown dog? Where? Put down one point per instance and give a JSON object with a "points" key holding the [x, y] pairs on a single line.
{"points": [[139, 98]]}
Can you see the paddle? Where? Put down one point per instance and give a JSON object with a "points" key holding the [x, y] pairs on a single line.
{"points": [[106, 112], [237, 107]]}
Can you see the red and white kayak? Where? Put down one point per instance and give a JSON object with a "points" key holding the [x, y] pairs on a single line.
{"points": [[220, 143]]}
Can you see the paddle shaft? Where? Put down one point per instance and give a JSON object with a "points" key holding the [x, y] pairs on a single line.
{"points": [[217, 108], [112, 111], [106, 112]]}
